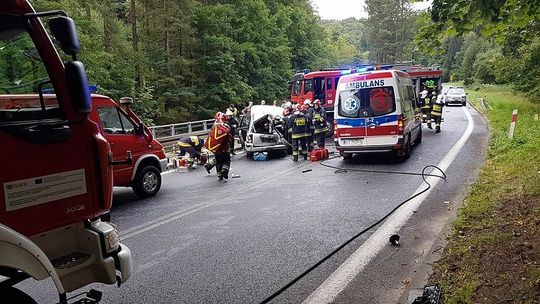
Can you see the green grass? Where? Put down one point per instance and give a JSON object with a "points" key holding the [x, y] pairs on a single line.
{"points": [[511, 170]]}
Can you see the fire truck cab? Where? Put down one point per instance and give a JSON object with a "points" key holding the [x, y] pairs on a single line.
{"points": [[56, 177]]}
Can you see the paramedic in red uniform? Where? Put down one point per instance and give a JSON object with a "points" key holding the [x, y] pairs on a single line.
{"points": [[222, 156], [319, 122], [299, 127]]}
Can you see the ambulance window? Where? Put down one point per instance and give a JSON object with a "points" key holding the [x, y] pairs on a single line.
{"points": [[308, 85], [22, 72], [368, 102]]}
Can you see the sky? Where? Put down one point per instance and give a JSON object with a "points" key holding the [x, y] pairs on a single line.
{"points": [[343, 9]]}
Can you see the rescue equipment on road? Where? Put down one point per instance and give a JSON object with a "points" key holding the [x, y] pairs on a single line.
{"points": [[318, 154]]}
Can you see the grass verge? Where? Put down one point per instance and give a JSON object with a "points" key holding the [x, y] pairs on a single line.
{"points": [[493, 254]]}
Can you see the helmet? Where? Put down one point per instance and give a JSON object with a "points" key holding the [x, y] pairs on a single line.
{"points": [[220, 117], [229, 112], [300, 107], [288, 104], [307, 102], [317, 102]]}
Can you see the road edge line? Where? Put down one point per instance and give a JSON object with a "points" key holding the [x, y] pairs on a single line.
{"points": [[358, 260]]}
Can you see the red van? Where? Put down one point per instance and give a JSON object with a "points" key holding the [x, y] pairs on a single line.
{"points": [[127, 134]]}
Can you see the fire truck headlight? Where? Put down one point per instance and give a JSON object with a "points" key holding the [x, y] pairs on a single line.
{"points": [[108, 234]]}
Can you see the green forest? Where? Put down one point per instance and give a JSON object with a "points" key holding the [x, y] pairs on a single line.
{"points": [[182, 60]]}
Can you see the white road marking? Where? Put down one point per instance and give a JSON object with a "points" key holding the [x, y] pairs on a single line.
{"points": [[136, 230], [346, 272]]}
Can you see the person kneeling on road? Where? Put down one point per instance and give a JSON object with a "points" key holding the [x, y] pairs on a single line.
{"points": [[218, 143], [299, 127], [191, 145]]}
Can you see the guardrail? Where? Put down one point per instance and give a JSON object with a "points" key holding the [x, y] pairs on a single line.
{"points": [[170, 132]]}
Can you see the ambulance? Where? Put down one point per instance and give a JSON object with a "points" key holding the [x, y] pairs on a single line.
{"points": [[376, 111]]}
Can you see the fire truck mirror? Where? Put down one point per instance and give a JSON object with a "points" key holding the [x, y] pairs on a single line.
{"points": [[78, 86], [64, 31]]}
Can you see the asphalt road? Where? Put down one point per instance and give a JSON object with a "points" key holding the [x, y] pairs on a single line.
{"points": [[204, 241]]}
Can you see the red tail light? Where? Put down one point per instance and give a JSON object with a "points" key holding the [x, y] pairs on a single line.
{"points": [[400, 125]]}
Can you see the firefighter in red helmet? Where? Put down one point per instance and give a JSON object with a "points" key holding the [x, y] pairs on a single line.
{"points": [[299, 127]]}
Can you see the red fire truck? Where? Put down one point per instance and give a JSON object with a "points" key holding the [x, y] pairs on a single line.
{"points": [[56, 177], [322, 84]]}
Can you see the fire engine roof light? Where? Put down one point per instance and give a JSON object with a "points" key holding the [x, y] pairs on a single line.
{"points": [[386, 67]]}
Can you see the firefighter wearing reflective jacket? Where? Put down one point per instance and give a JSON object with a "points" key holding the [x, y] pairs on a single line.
{"points": [[299, 127], [308, 110], [436, 112], [319, 122], [425, 98], [218, 143], [191, 145]]}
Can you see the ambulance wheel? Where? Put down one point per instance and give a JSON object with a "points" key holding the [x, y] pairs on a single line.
{"points": [[405, 153], [14, 295], [147, 182], [418, 138]]}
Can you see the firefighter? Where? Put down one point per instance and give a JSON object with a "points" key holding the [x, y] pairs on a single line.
{"points": [[232, 115], [425, 98], [218, 143], [191, 145], [299, 127], [287, 113], [319, 123], [308, 110], [436, 111]]}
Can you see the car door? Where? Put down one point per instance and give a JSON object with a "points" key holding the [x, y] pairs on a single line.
{"points": [[122, 135]]}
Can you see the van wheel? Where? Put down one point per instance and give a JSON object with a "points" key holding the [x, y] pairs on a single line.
{"points": [[330, 126], [147, 182], [405, 153], [14, 295], [419, 137], [346, 155]]}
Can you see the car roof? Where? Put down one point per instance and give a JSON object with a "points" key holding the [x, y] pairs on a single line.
{"points": [[259, 111]]}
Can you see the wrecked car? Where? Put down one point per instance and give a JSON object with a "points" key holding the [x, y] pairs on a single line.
{"points": [[263, 130]]}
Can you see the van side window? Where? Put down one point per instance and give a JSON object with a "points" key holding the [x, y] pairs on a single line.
{"points": [[114, 121]]}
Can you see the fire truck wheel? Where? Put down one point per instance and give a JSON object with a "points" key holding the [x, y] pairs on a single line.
{"points": [[147, 182], [14, 295]]}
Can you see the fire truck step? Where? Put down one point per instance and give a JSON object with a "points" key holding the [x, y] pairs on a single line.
{"points": [[70, 260]]}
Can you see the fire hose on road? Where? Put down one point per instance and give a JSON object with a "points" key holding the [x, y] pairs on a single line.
{"points": [[424, 176]]}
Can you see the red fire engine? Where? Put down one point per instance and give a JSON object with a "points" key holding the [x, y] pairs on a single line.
{"points": [[56, 177]]}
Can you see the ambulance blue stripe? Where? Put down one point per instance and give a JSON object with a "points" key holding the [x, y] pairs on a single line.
{"points": [[361, 122]]}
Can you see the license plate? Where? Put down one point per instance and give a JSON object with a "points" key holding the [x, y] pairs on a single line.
{"points": [[352, 142]]}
